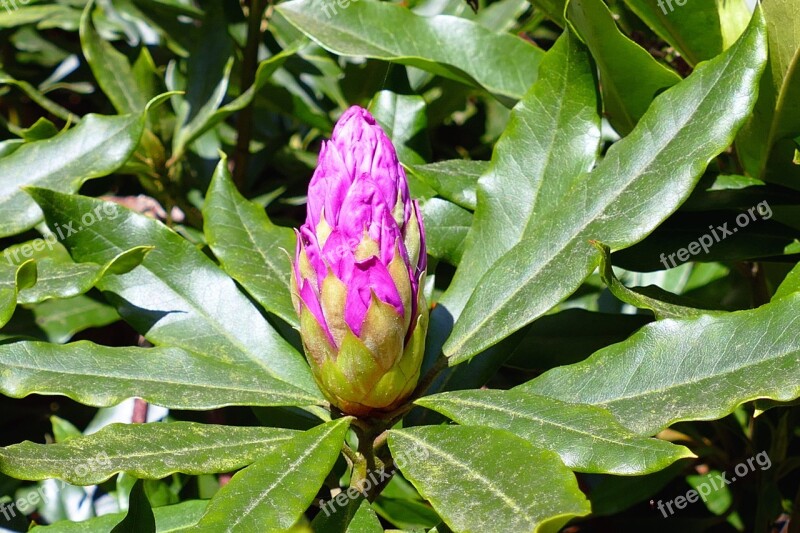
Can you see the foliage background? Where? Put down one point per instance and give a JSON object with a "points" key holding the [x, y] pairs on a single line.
{"points": [[257, 86]]}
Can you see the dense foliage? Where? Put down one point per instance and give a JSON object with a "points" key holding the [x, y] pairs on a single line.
{"points": [[611, 203]]}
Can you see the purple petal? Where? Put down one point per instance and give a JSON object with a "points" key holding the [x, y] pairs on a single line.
{"points": [[368, 276]]}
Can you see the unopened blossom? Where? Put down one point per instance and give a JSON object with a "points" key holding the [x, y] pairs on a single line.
{"points": [[359, 270]]}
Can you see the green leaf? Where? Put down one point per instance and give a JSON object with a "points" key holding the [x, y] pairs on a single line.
{"points": [[552, 136], [641, 181], [629, 76], [265, 70], [289, 475], [10, 18], [473, 479], [715, 364], [455, 180], [60, 277], [698, 30], [111, 68], [403, 119], [662, 303], [58, 320], [42, 129], [146, 451], [140, 517], [790, 284], [177, 296], [253, 250], [208, 71], [13, 279], [570, 336], [92, 149], [169, 377], [587, 438], [765, 145], [356, 516], [37, 96], [168, 518], [502, 64], [553, 9], [446, 228]]}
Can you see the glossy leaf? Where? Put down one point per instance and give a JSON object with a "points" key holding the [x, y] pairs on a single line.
{"points": [[446, 227], [60, 277], [663, 304], [169, 377], [289, 474], [790, 285], [697, 30], [552, 136], [455, 180], [715, 364], [177, 297], [641, 181], [403, 119], [502, 64], [13, 279], [587, 438], [146, 451], [92, 149], [630, 77], [253, 250], [765, 145], [473, 479], [110, 68], [140, 513]]}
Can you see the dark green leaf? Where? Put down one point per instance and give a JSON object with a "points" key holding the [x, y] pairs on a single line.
{"points": [[472, 477], [642, 180], [147, 451], [92, 149], [630, 77], [177, 296], [253, 250], [140, 518], [503, 64], [289, 475], [587, 439], [714, 363]]}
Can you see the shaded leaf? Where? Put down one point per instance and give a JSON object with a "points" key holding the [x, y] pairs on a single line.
{"points": [[630, 77]]}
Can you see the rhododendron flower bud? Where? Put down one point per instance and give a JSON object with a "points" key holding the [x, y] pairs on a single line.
{"points": [[359, 271]]}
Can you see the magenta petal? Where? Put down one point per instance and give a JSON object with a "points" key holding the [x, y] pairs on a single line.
{"points": [[311, 301], [369, 276], [328, 186]]}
